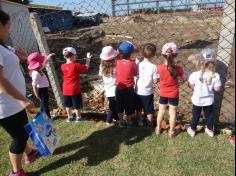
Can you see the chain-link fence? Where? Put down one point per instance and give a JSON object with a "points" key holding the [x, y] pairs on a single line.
{"points": [[89, 25]]}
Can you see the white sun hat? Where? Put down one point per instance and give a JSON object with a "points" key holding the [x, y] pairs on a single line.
{"points": [[208, 54], [169, 47], [108, 53]]}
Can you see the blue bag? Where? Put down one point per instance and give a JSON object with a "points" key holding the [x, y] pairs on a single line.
{"points": [[42, 134]]}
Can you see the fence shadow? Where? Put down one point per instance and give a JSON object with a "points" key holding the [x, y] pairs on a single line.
{"points": [[100, 146]]}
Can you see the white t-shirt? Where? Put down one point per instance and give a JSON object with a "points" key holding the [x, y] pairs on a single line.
{"points": [[40, 80], [147, 72], [109, 84], [203, 94], [13, 73]]}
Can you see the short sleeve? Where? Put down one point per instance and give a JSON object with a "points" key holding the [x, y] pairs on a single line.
{"points": [[1, 60], [135, 69], [155, 74], [217, 82], [81, 68], [35, 78], [191, 79]]}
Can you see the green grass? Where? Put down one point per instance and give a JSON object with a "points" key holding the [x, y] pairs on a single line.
{"points": [[93, 149]]}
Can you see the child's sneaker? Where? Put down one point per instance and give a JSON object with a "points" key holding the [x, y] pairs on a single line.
{"points": [[78, 119], [32, 157], [191, 132], [140, 122], [209, 132], [122, 125], [69, 119], [19, 173]]}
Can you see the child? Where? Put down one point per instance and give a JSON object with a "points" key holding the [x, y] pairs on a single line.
{"points": [[204, 82], [40, 84], [146, 76], [169, 73], [71, 82], [107, 71], [125, 73]]}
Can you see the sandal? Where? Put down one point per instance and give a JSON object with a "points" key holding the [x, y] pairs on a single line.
{"points": [[171, 134], [158, 131]]}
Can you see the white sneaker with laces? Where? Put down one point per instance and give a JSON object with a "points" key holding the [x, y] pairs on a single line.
{"points": [[209, 132], [191, 132], [69, 119]]}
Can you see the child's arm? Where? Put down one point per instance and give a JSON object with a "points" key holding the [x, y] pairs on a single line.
{"points": [[89, 56], [217, 89], [36, 93], [217, 83]]}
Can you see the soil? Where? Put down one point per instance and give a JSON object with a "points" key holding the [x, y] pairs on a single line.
{"points": [[192, 33]]}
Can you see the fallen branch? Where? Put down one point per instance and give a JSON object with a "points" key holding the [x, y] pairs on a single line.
{"points": [[120, 36]]}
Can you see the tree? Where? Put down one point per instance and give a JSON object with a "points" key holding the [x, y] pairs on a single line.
{"points": [[26, 2]]}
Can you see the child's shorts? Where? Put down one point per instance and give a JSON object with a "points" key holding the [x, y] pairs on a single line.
{"points": [[125, 100], [144, 103], [170, 101], [74, 101]]}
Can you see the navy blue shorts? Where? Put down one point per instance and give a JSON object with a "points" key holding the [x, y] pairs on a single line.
{"points": [[144, 103], [170, 101], [125, 101], [74, 101]]}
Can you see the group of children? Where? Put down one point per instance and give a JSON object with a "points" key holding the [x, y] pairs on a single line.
{"points": [[129, 84]]}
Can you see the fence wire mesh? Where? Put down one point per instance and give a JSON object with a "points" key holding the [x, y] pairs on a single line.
{"points": [[89, 25]]}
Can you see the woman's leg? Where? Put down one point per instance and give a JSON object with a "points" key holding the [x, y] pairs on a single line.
{"points": [[44, 103], [172, 112]]}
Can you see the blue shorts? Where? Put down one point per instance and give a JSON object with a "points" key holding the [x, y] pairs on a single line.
{"points": [[144, 103], [170, 101], [74, 101], [125, 101]]}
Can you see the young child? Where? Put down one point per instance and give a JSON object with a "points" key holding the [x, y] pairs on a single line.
{"points": [[40, 84], [125, 73], [107, 71], [204, 82], [71, 82], [169, 74], [146, 76]]}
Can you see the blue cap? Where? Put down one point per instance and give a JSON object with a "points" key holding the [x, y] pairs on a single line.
{"points": [[126, 47]]}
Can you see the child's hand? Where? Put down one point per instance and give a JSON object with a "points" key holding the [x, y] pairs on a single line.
{"points": [[89, 55], [51, 55], [21, 54]]}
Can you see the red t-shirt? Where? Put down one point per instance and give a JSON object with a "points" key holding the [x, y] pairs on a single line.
{"points": [[169, 87], [125, 72], [71, 78]]}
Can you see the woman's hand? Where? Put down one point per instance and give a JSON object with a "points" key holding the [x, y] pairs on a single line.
{"points": [[21, 54], [27, 103]]}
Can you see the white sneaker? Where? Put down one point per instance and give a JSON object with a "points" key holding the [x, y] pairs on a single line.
{"points": [[191, 132], [78, 119], [209, 132]]}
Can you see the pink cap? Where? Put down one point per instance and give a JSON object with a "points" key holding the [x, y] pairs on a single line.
{"points": [[36, 60], [169, 48]]}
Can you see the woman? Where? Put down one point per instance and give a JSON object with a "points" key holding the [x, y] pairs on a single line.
{"points": [[13, 102]]}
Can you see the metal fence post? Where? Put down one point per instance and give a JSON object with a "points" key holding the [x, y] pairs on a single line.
{"points": [[225, 47], [43, 47]]}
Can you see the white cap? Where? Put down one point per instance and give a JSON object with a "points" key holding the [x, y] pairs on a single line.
{"points": [[208, 54], [69, 49], [169, 47], [108, 53]]}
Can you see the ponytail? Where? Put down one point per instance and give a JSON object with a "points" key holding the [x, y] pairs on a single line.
{"points": [[171, 65]]}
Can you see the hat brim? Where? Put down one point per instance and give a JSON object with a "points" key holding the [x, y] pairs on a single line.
{"points": [[112, 57], [34, 66]]}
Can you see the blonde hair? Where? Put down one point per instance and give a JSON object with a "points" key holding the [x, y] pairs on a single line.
{"points": [[107, 68], [203, 66]]}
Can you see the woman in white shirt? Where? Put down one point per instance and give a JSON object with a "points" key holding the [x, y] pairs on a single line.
{"points": [[13, 101]]}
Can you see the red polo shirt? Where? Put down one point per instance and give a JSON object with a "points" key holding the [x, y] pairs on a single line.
{"points": [[169, 87], [71, 78]]}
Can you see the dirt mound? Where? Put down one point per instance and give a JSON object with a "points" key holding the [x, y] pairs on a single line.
{"points": [[135, 19]]}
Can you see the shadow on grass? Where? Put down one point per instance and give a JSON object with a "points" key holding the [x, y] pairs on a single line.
{"points": [[100, 146]]}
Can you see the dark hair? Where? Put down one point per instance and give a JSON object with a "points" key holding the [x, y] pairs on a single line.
{"points": [[171, 64], [4, 17], [124, 56], [68, 54], [149, 50], [107, 67]]}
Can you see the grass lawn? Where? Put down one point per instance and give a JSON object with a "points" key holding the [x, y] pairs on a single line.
{"points": [[93, 149]]}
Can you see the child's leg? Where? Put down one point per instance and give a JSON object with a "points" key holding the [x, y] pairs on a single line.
{"points": [[69, 112], [129, 105], [196, 112], [77, 104], [209, 114], [120, 105], [161, 113], [43, 93], [78, 113], [112, 112], [172, 112]]}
